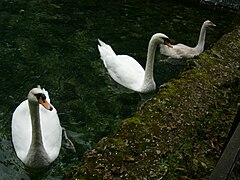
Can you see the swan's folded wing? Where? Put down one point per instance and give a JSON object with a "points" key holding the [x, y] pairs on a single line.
{"points": [[184, 51], [126, 71], [46, 94], [51, 131], [178, 51], [21, 130]]}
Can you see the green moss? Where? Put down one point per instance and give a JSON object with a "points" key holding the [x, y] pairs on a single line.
{"points": [[134, 120], [207, 57]]}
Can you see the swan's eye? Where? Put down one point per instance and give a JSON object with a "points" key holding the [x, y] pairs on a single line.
{"points": [[40, 95], [167, 41], [43, 99]]}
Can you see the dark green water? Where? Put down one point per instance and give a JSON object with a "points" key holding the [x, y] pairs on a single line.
{"points": [[54, 44]]}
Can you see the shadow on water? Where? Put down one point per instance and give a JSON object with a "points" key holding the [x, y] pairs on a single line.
{"points": [[54, 44]]}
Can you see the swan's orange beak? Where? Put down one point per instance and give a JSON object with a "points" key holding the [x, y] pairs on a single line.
{"points": [[168, 43], [45, 104]]}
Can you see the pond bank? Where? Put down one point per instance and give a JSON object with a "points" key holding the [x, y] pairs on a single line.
{"points": [[179, 133]]}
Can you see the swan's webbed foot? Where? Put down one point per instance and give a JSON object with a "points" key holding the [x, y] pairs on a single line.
{"points": [[68, 142]]}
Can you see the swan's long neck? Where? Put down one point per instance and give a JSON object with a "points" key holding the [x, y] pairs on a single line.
{"points": [[201, 40], [36, 127], [148, 77], [37, 155]]}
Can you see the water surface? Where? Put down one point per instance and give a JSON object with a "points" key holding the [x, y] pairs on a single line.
{"points": [[54, 44]]}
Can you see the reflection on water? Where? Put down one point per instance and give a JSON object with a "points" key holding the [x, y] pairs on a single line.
{"points": [[54, 44]]}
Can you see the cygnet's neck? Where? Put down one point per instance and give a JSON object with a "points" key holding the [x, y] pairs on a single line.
{"points": [[201, 41]]}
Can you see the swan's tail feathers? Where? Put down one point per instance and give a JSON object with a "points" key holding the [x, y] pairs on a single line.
{"points": [[105, 50]]}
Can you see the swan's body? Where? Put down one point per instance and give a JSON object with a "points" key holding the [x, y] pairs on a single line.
{"points": [[182, 51], [126, 71], [36, 130]]}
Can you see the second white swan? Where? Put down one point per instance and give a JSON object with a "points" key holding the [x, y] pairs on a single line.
{"points": [[180, 51], [126, 71]]}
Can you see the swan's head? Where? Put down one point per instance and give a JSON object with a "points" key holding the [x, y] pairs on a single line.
{"points": [[208, 23], [161, 38], [36, 96]]}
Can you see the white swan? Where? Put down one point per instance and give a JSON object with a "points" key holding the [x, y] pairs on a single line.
{"points": [[36, 130], [182, 51], [126, 71]]}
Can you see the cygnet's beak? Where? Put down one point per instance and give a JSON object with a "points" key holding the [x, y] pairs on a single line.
{"points": [[214, 25]]}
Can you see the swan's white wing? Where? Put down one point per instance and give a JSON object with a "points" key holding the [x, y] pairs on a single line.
{"points": [[185, 51], [51, 132], [125, 70], [122, 68], [171, 52], [46, 94], [21, 130]]}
